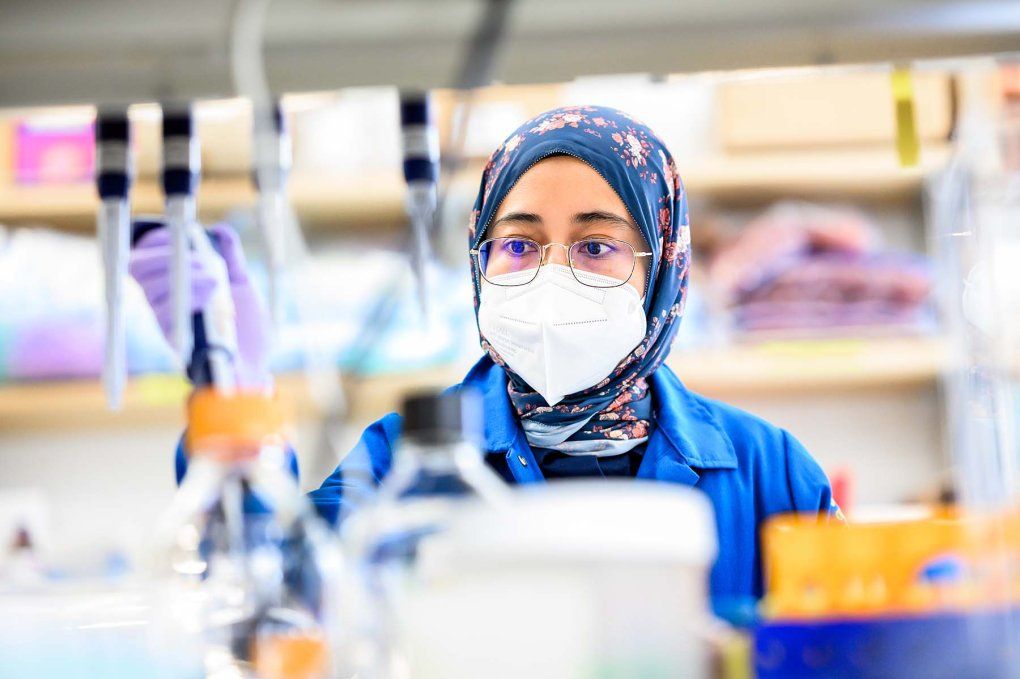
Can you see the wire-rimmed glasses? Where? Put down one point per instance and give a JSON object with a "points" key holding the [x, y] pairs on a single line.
{"points": [[598, 262]]}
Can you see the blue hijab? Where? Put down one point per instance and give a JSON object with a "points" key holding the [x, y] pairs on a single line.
{"points": [[636, 164]]}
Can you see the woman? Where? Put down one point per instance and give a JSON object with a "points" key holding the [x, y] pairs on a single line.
{"points": [[580, 251]]}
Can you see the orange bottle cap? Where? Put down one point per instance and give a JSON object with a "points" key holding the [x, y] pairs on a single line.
{"points": [[298, 656], [233, 425]]}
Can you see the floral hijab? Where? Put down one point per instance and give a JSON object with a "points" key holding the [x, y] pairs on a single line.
{"points": [[615, 414]]}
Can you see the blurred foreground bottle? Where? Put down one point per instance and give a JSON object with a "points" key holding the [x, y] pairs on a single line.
{"points": [[251, 568], [438, 472]]}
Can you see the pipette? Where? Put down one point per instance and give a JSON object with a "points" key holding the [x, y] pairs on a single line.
{"points": [[272, 167], [181, 168], [214, 343], [114, 175], [421, 171]]}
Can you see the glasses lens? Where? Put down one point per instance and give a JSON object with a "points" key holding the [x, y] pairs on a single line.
{"points": [[509, 261], [610, 261]]}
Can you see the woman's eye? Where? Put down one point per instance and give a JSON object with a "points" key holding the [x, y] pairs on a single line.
{"points": [[517, 247], [595, 248]]}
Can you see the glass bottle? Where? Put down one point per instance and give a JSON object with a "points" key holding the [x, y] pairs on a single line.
{"points": [[251, 568], [437, 470]]}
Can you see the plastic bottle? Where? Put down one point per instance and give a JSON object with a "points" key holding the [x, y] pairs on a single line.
{"points": [[437, 471], [250, 566]]}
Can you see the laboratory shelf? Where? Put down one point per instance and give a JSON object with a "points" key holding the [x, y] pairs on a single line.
{"points": [[368, 201], [349, 200], [843, 173], [160, 399], [781, 367], [772, 368]]}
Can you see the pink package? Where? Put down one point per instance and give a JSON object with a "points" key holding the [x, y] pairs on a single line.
{"points": [[53, 152]]}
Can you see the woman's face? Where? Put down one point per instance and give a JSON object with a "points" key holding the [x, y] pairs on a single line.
{"points": [[562, 200]]}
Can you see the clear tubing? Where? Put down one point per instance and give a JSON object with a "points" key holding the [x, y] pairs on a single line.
{"points": [[271, 219], [180, 215], [115, 226], [270, 151], [421, 208]]}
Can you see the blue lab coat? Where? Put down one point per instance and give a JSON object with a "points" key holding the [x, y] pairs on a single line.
{"points": [[749, 469]]}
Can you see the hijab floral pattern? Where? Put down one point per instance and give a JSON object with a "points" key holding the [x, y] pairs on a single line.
{"points": [[637, 165]]}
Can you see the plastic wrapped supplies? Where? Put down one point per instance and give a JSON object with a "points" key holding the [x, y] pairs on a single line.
{"points": [[51, 316], [803, 267]]}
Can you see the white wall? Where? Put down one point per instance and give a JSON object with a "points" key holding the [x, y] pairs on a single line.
{"points": [[890, 440], [104, 487]]}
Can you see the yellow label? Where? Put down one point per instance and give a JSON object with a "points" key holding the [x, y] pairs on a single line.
{"points": [[161, 390], [907, 145]]}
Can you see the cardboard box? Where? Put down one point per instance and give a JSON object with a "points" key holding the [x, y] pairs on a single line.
{"points": [[496, 112], [224, 133], [827, 110]]}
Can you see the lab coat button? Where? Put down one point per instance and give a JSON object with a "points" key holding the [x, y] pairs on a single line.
{"points": [[520, 458]]}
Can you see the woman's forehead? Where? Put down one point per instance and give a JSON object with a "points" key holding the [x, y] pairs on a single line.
{"points": [[561, 184]]}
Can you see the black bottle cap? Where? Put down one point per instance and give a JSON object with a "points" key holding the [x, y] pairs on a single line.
{"points": [[443, 416]]}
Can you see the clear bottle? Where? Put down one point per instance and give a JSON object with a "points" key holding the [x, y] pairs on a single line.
{"points": [[437, 471], [251, 568]]}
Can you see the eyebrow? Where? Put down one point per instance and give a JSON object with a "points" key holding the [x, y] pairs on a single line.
{"points": [[602, 216], [579, 218], [518, 217]]}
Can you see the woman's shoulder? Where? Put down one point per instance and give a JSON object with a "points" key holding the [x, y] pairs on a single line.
{"points": [[746, 432], [759, 447], [785, 475]]}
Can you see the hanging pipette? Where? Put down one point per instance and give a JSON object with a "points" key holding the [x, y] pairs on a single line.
{"points": [[114, 175], [181, 169], [272, 167], [421, 171]]}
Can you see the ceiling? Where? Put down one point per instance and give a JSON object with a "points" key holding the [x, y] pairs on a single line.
{"points": [[119, 51]]}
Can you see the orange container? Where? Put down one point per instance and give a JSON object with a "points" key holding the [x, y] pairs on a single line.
{"points": [[942, 561]]}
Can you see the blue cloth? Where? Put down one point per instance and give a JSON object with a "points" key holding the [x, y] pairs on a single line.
{"points": [[557, 465], [748, 468], [639, 168]]}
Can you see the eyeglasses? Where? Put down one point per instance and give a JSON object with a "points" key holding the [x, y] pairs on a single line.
{"points": [[596, 262]]}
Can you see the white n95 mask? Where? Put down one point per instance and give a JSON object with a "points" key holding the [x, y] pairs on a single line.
{"points": [[560, 335]]}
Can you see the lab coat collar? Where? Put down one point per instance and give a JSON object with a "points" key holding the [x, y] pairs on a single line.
{"points": [[686, 435], [693, 431], [501, 426]]}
